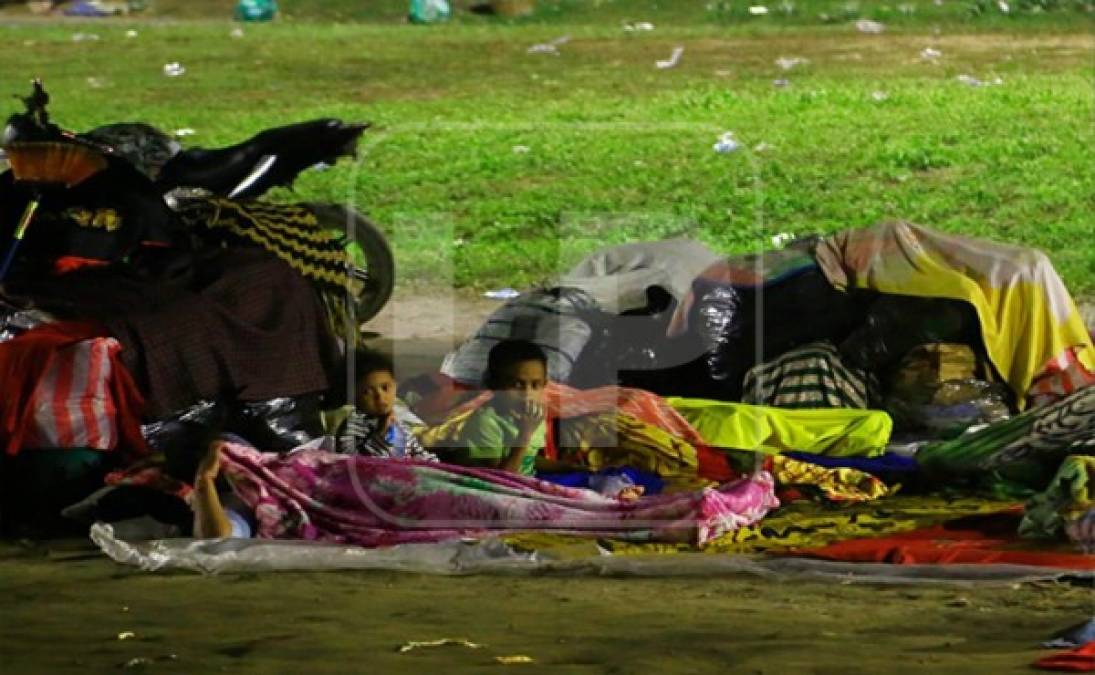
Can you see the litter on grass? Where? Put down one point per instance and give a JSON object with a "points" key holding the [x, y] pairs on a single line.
{"points": [[549, 47], [443, 642], [673, 59], [869, 27], [787, 63], [726, 143]]}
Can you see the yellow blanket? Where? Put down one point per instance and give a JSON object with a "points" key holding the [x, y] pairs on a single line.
{"points": [[795, 526], [1026, 314], [836, 432]]}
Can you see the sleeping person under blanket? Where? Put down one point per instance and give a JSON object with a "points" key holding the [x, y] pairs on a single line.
{"points": [[317, 495]]}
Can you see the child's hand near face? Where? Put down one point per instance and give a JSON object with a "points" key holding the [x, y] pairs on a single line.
{"points": [[529, 416]]}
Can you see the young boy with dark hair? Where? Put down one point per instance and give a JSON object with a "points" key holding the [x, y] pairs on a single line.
{"points": [[509, 431], [373, 427]]}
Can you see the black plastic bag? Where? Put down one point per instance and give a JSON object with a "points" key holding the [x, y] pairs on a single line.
{"points": [[741, 327], [895, 324], [277, 424]]}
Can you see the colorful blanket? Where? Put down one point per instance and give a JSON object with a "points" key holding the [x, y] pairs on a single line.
{"points": [[805, 524], [316, 495], [619, 423], [1061, 508], [1027, 317]]}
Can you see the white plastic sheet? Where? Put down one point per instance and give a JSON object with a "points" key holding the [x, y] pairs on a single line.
{"points": [[492, 556]]}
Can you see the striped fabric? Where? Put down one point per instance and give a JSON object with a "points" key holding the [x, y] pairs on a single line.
{"points": [[811, 376], [72, 403]]}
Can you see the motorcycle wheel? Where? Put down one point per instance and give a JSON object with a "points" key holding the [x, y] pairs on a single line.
{"points": [[378, 275]]}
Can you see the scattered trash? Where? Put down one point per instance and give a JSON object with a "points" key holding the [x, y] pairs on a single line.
{"points": [[443, 642], [185, 131], [85, 37], [758, 10], [549, 47], [520, 149], [930, 54], [141, 661], [125, 608], [879, 95], [780, 240], [236, 32], [256, 10], [131, 33], [726, 143], [639, 26], [95, 82], [429, 11], [972, 81], [1004, 7], [514, 659], [502, 294], [673, 59], [959, 602], [787, 63], [138, 662], [869, 27], [96, 8], [126, 635], [173, 69], [780, 83]]}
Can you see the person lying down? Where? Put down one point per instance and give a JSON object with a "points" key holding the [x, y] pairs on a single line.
{"points": [[313, 494]]}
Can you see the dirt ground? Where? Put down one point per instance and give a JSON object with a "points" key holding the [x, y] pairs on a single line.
{"points": [[66, 607]]}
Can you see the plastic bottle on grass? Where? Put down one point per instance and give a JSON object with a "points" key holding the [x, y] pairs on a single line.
{"points": [[256, 10], [429, 11]]}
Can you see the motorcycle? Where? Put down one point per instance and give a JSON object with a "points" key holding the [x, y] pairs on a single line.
{"points": [[122, 220], [171, 191]]}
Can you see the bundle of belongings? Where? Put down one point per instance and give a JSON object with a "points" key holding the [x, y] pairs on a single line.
{"points": [[888, 394]]}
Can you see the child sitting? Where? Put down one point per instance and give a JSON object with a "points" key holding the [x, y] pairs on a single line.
{"points": [[509, 431], [374, 426]]}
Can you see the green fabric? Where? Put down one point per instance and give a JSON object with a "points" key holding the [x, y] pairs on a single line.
{"points": [[833, 432], [1040, 436], [487, 435], [1071, 493]]}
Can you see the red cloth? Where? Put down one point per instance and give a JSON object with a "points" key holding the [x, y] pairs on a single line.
{"points": [[981, 540], [1079, 660], [23, 361]]}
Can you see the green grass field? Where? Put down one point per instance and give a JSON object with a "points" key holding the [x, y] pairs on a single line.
{"points": [[490, 166]]}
